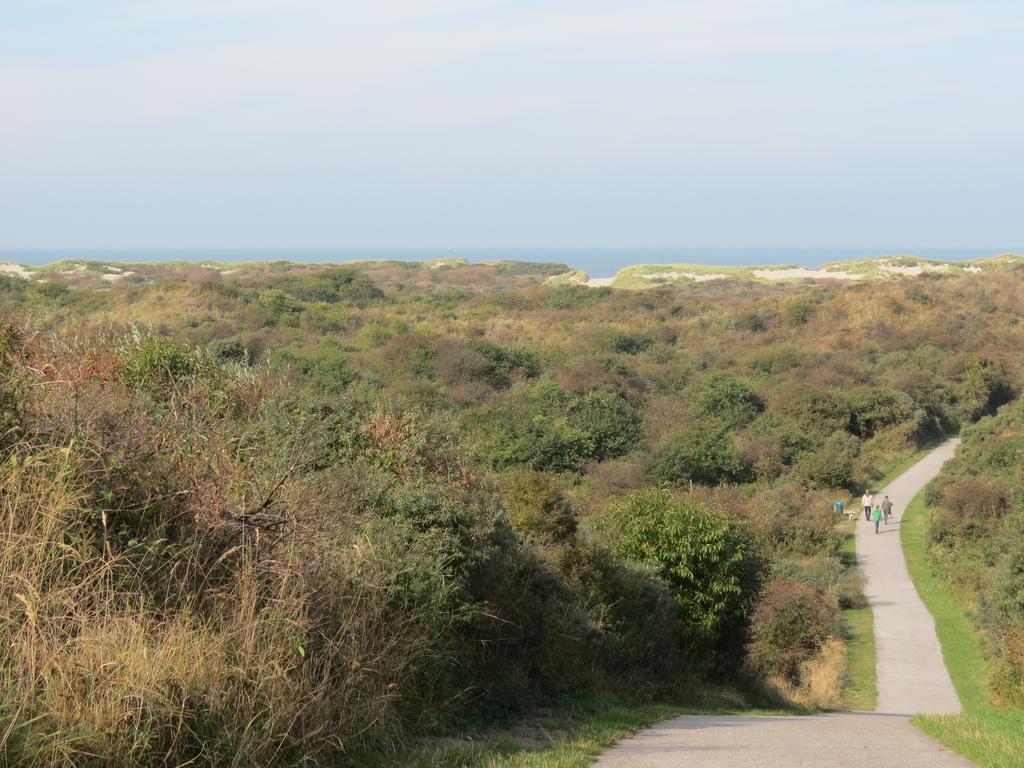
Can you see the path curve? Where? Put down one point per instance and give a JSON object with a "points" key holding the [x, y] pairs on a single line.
{"points": [[912, 678]]}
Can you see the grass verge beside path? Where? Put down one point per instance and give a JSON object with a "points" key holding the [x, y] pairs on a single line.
{"points": [[861, 690], [552, 742], [991, 737], [570, 738]]}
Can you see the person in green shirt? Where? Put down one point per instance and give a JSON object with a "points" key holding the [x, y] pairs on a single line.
{"points": [[876, 515]]}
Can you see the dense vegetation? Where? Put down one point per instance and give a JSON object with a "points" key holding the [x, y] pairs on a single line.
{"points": [[972, 550], [976, 537], [275, 515]]}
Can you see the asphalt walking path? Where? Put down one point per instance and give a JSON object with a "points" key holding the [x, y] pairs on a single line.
{"points": [[912, 678]]}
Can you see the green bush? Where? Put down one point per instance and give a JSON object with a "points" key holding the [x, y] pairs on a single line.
{"points": [[704, 453], [280, 307], [798, 310], [612, 423], [874, 408], [703, 556], [726, 399], [832, 465], [819, 413], [1002, 613], [636, 623], [575, 297], [331, 286], [983, 387], [543, 427], [537, 506], [630, 344], [158, 364]]}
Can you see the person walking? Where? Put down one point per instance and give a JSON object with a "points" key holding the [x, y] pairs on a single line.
{"points": [[876, 515], [867, 501], [886, 509]]}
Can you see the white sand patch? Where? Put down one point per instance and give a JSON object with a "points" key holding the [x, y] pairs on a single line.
{"points": [[972, 269], [918, 269], [115, 278], [15, 269], [800, 272], [599, 282], [894, 270]]}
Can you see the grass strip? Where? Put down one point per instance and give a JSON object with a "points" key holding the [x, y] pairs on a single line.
{"points": [[861, 690], [561, 740], [993, 738], [566, 738]]}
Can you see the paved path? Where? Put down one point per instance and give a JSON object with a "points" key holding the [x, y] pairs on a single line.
{"points": [[911, 678]]}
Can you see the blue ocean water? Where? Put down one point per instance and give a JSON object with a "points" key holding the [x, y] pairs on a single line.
{"points": [[597, 262]]}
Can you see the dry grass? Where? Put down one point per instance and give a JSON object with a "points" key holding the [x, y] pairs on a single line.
{"points": [[821, 680], [146, 619]]}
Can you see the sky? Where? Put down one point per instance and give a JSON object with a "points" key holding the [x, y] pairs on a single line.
{"points": [[511, 123]]}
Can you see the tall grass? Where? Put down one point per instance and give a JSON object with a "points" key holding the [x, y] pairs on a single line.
{"points": [[152, 612]]}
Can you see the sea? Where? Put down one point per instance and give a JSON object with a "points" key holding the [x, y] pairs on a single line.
{"points": [[596, 262]]}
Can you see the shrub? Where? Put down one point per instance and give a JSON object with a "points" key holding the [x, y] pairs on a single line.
{"points": [[635, 622], [983, 387], [754, 321], [630, 344], [229, 350], [537, 506], [786, 433], [1002, 613], [832, 465], [705, 454], [541, 426], [874, 408], [611, 422], [798, 310], [970, 508], [575, 297], [279, 305], [819, 413], [158, 364], [504, 363], [727, 399], [703, 556], [331, 286], [789, 624]]}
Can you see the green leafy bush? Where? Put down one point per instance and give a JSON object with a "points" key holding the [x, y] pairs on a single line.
{"points": [[575, 297], [630, 344], [331, 286], [875, 408], [158, 364], [543, 427], [611, 422], [537, 506], [702, 555], [832, 465], [726, 399], [705, 453]]}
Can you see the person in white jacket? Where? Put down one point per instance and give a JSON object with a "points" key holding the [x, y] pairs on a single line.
{"points": [[867, 501]]}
